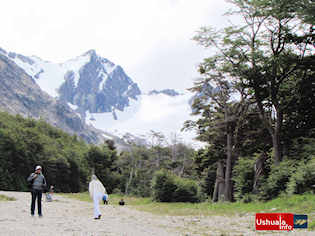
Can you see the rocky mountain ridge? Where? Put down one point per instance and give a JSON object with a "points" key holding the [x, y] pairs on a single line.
{"points": [[89, 82], [21, 95]]}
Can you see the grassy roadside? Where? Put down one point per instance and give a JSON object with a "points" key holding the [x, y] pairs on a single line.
{"points": [[296, 204], [6, 198], [113, 198]]}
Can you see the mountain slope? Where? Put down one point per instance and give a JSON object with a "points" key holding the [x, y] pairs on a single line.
{"points": [[21, 95]]}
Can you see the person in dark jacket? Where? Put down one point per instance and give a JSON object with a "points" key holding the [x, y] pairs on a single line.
{"points": [[38, 185], [122, 202]]}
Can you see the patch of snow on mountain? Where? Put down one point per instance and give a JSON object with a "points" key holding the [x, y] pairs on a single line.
{"points": [[109, 67], [107, 137], [104, 78], [126, 92], [75, 65], [42, 72], [158, 112], [51, 75], [3, 52], [89, 119], [104, 121], [73, 107], [31, 70], [45, 81]]}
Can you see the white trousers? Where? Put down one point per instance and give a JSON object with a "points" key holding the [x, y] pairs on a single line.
{"points": [[96, 199]]}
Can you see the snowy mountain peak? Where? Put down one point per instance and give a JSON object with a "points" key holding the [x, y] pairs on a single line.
{"points": [[89, 81], [90, 52], [2, 51]]}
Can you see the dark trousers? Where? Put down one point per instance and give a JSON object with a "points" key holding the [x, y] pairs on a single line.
{"points": [[36, 194]]}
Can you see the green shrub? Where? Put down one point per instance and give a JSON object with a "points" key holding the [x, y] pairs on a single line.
{"points": [[249, 197], [117, 191], [303, 179], [170, 188], [243, 177], [140, 186], [277, 180], [186, 191], [302, 148], [164, 186]]}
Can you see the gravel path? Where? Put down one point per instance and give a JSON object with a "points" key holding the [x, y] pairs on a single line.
{"points": [[66, 216]]}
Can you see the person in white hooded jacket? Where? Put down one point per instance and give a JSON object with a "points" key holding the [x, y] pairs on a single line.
{"points": [[97, 191]]}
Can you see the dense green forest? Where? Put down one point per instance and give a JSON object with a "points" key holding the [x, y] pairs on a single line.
{"points": [[255, 108]]}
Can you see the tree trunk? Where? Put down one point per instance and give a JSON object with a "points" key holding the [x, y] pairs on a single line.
{"points": [[228, 170], [228, 167], [276, 138], [259, 168], [221, 184], [215, 192], [129, 181], [274, 131], [181, 171], [218, 194]]}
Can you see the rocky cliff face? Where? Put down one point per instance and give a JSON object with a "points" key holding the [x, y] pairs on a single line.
{"points": [[102, 86], [20, 94]]}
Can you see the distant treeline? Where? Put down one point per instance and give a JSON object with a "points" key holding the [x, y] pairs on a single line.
{"points": [[68, 161]]}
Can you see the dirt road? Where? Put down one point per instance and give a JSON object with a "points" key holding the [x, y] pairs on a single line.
{"points": [[72, 217]]}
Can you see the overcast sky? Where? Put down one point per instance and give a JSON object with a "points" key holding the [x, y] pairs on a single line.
{"points": [[150, 39]]}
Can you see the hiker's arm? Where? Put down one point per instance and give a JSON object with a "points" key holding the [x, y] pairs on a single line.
{"points": [[31, 177]]}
